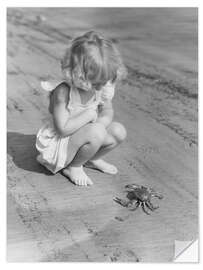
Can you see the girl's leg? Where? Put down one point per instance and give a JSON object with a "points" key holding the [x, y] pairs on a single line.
{"points": [[82, 146], [116, 134]]}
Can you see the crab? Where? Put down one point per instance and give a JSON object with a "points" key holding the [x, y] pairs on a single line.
{"points": [[139, 196]]}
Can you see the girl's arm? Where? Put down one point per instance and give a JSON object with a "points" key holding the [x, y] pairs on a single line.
{"points": [[62, 121], [106, 113], [106, 109]]}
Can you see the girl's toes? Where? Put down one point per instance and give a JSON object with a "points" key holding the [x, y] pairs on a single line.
{"points": [[84, 182], [114, 170], [77, 182], [81, 182], [77, 176]]}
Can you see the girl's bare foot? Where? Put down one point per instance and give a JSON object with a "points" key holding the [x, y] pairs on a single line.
{"points": [[77, 176], [101, 165]]}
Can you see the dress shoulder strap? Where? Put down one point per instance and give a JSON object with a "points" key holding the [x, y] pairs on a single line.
{"points": [[49, 86]]}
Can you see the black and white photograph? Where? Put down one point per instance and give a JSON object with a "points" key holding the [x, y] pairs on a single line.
{"points": [[102, 134]]}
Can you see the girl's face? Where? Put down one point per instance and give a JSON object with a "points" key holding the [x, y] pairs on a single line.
{"points": [[83, 84], [80, 82], [86, 85]]}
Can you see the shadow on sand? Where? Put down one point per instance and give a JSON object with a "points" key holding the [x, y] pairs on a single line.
{"points": [[21, 148]]}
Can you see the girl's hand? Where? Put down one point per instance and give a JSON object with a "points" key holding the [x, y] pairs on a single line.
{"points": [[92, 114], [94, 105], [108, 91]]}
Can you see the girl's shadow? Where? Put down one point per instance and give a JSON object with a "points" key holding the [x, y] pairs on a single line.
{"points": [[21, 148]]}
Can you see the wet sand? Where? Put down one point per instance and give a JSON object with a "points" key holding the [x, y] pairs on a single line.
{"points": [[50, 219]]}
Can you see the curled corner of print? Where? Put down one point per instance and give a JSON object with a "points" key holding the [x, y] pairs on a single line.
{"points": [[186, 251]]}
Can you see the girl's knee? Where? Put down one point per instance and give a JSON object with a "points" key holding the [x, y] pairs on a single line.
{"points": [[118, 131], [96, 133]]}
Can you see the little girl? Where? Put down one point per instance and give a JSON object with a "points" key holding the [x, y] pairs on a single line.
{"points": [[81, 129]]}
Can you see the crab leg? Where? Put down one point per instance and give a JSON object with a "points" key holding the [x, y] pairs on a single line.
{"points": [[121, 202], [143, 208], [132, 186], [159, 196], [152, 206], [149, 206], [136, 206]]}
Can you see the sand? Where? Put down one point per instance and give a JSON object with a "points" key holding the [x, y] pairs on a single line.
{"points": [[50, 219]]}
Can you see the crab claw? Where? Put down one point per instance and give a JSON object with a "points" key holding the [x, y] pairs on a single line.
{"points": [[121, 202], [159, 196], [132, 186], [155, 194]]}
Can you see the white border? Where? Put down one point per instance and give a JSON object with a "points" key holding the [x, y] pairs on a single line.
{"points": [[3, 133], [86, 3], [100, 3]]}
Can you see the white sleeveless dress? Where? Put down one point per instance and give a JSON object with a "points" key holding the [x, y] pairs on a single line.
{"points": [[53, 148]]}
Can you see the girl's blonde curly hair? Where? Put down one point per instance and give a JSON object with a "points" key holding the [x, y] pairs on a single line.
{"points": [[95, 59]]}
